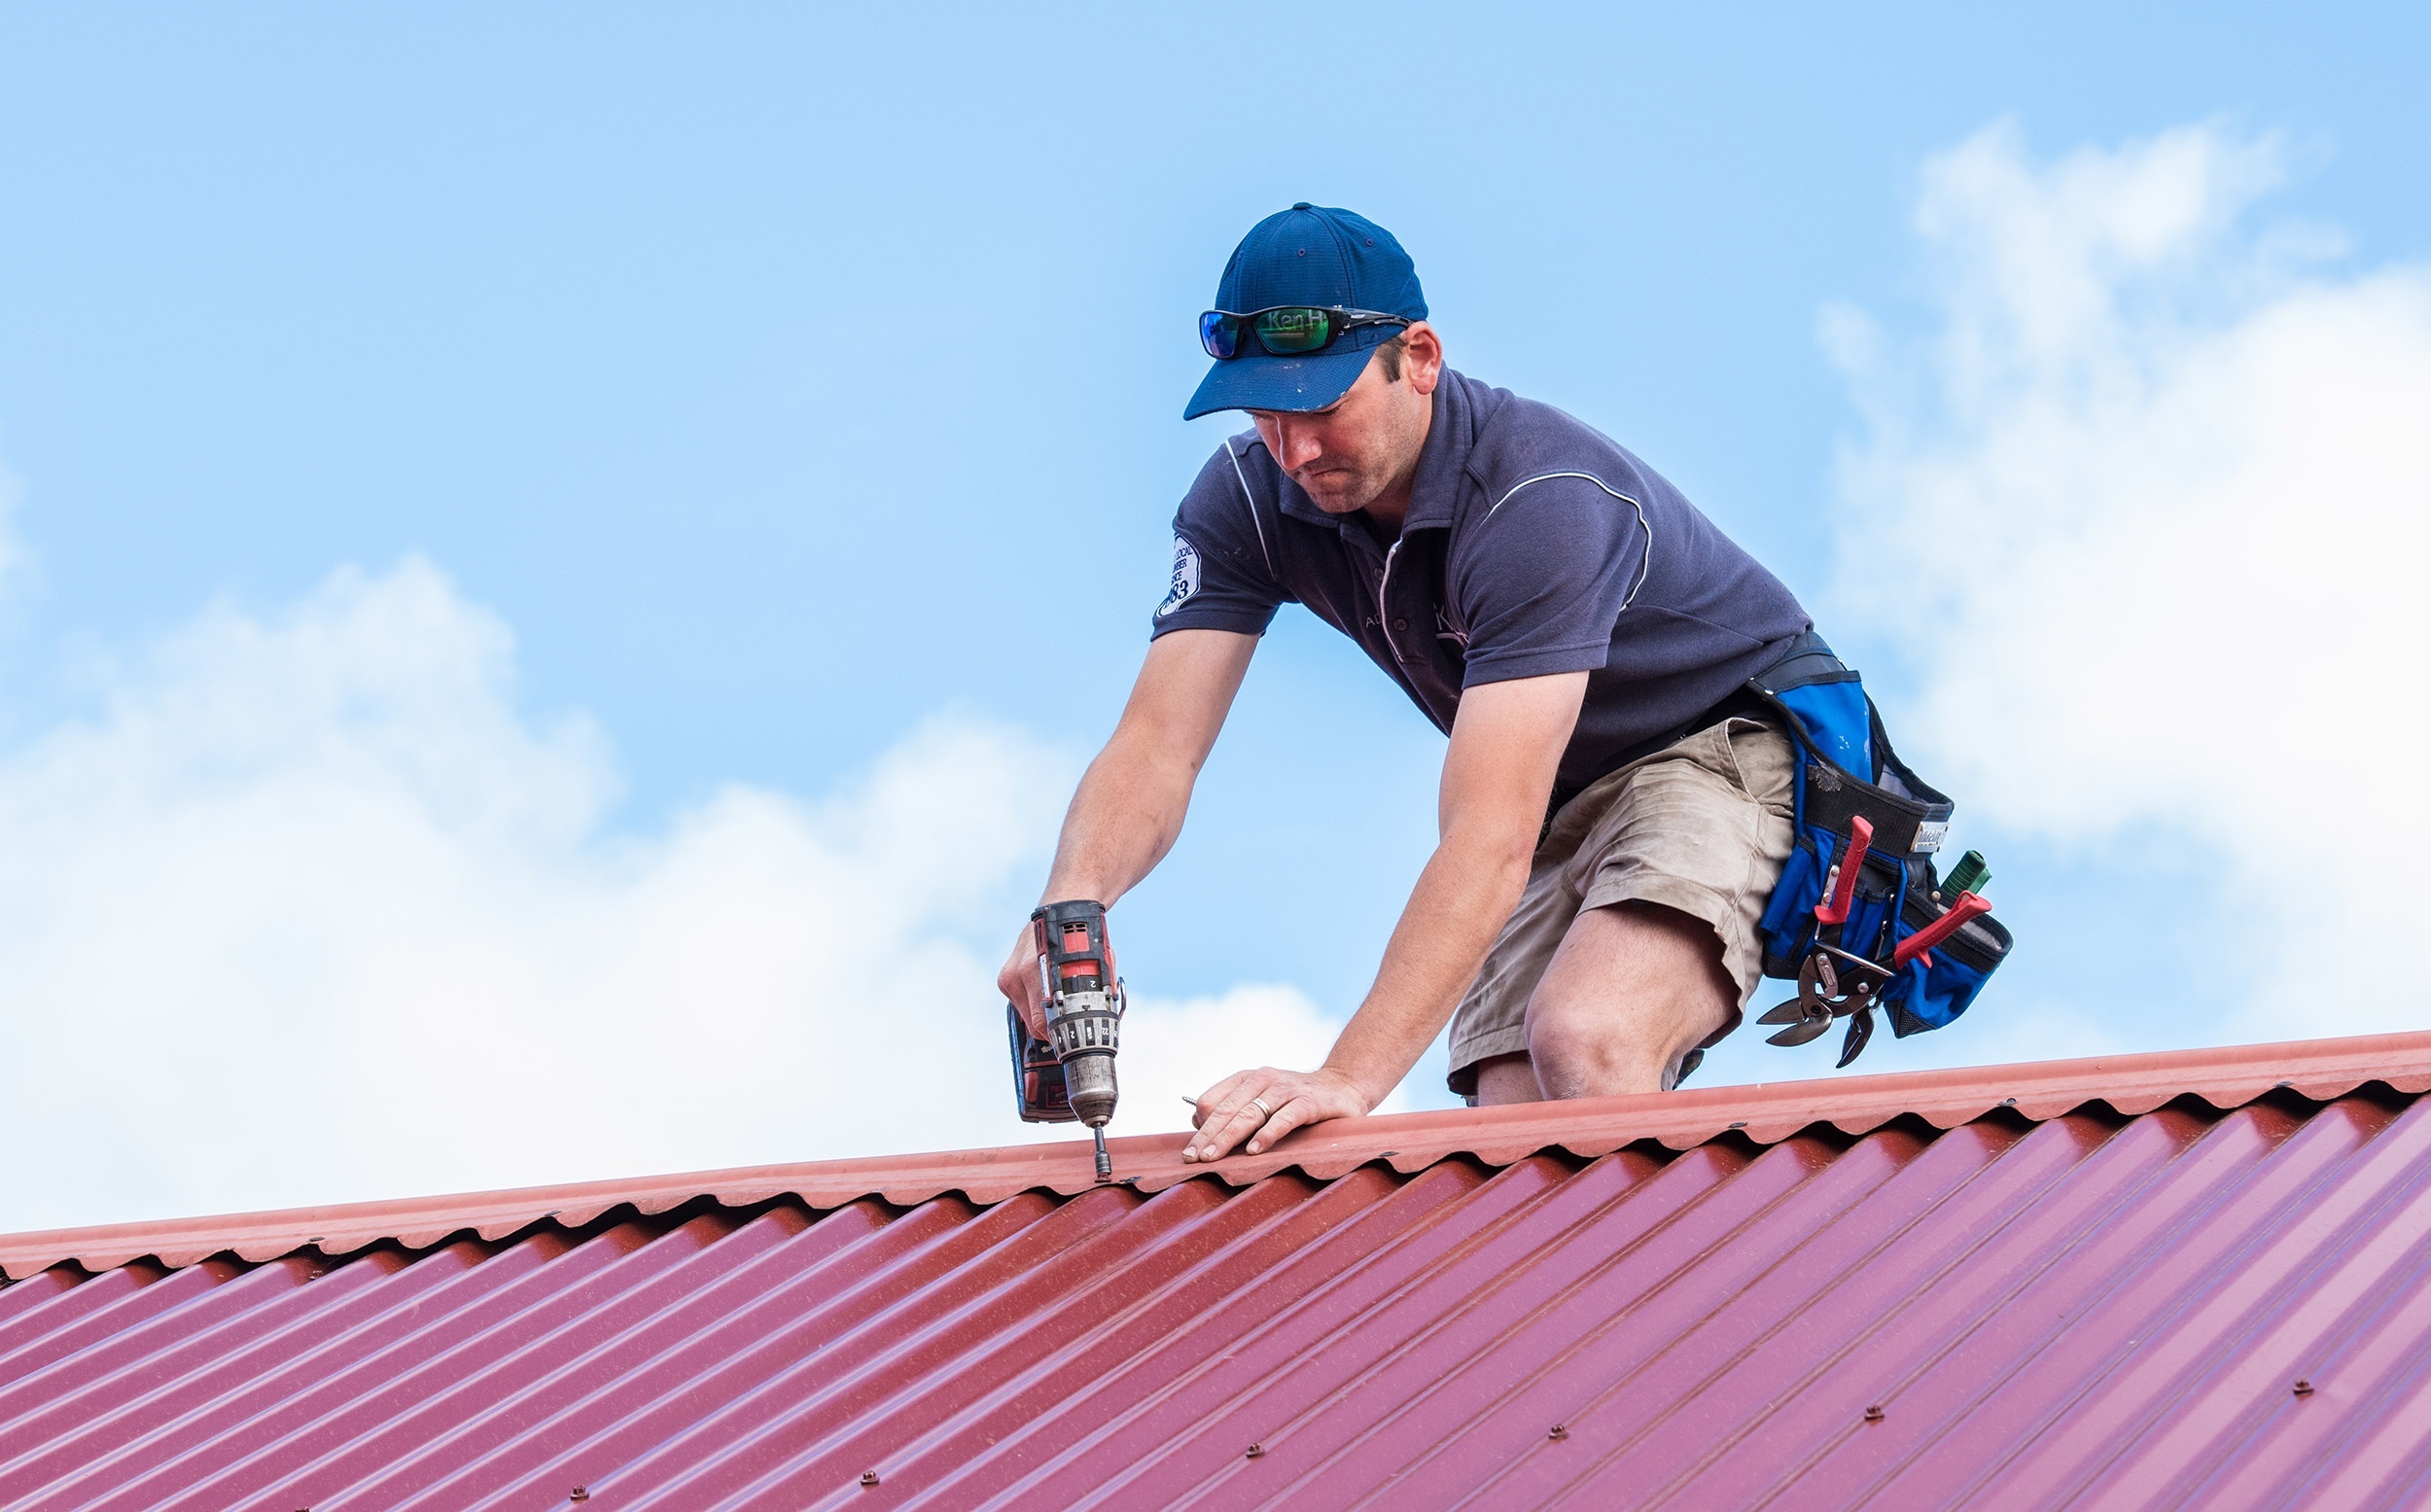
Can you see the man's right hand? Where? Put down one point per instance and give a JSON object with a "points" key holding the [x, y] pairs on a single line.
{"points": [[1019, 980]]}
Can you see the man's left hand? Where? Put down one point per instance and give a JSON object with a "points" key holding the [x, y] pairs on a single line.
{"points": [[1264, 1105]]}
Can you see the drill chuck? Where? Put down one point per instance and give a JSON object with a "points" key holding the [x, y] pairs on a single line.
{"points": [[1089, 1085]]}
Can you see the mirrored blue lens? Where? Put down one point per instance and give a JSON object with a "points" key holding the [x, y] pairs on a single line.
{"points": [[1219, 333]]}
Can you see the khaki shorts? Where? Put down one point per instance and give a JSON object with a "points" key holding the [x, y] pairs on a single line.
{"points": [[1702, 826]]}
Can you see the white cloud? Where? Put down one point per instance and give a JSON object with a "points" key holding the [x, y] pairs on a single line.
{"points": [[306, 911], [2147, 517]]}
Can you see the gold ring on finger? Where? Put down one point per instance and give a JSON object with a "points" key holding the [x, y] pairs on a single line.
{"points": [[1263, 1111]]}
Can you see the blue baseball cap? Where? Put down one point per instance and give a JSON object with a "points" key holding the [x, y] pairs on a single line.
{"points": [[1308, 255]]}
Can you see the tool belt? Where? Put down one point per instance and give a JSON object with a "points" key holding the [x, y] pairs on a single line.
{"points": [[1859, 918]]}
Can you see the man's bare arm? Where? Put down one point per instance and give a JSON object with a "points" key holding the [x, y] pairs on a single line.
{"points": [[1506, 742], [1129, 807]]}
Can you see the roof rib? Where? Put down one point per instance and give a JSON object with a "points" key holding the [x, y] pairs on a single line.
{"points": [[1763, 1114]]}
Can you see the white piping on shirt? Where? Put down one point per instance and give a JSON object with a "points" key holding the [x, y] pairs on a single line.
{"points": [[1384, 586], [1645, 567], [1251, 500]]}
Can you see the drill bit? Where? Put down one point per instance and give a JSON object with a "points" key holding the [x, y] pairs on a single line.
{"points": [[1105, 1162]]}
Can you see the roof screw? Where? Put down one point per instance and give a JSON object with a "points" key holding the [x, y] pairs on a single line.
{"points": [[1874, 1413], [579, 1493], [1559, 1431], [2303, 1388], [1257, 1452], [869, 1477]]}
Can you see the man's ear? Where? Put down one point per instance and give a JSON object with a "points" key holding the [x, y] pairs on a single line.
{"points": [[1422, 357]]}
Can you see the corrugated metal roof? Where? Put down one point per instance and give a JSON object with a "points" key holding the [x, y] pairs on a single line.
{"points": [[2196, 1280]]}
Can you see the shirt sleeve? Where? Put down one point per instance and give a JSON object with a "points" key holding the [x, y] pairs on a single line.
{"points": [[1545, 577], [1223, 568]]}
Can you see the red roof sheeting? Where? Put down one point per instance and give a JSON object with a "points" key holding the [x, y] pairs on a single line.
{"points": [[2153, 1281]]}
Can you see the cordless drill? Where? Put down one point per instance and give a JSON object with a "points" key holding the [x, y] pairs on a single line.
{"points": [[1070, 1074]]}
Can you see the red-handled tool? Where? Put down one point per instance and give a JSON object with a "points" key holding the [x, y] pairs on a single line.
{"points": [[1967, 907], [1835, 909]]}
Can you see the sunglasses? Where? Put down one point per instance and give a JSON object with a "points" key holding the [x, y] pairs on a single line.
{"points": [[1285, 330]]}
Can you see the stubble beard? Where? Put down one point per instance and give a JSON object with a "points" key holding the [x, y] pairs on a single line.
{"points": [[1347, 489]]}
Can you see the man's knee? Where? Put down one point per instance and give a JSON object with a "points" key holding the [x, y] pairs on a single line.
{"points": [[1585, 1049], [1634, 987]]}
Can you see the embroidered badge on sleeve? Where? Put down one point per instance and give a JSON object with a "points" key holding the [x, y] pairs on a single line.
{"points": [[1186, 577]]}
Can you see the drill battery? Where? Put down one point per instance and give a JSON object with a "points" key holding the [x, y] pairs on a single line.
{"points": [[1038, 1077]]}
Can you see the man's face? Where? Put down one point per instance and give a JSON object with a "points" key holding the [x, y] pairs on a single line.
{"points": [[1346, 456]]}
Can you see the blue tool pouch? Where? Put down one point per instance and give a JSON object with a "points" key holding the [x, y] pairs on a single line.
{"points": [[1879, 935]]}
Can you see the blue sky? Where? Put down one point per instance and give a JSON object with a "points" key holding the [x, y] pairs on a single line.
{"points": [[771, 407]]}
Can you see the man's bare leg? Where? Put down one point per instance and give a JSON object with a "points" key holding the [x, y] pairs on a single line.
{"points": [[1507, 1079], [1634, 987]]}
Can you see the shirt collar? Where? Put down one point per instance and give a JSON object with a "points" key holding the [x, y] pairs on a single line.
{"points": [[1444, 460]]}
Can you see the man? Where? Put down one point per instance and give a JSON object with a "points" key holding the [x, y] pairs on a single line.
{"points": [[1613, 812]]}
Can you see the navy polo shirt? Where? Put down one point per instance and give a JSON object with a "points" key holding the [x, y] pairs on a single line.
{"points": [[1534, 545]]}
